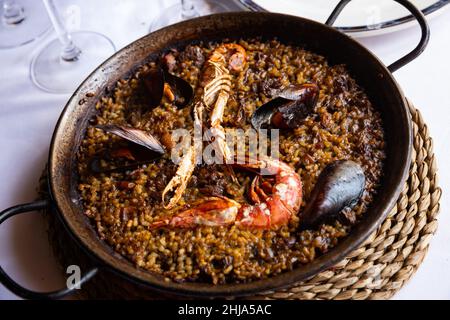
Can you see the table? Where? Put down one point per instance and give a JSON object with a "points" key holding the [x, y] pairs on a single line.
{"points": [[28, 116]]}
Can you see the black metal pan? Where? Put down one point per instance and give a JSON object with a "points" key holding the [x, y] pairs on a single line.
{"points": [[338, 48]]}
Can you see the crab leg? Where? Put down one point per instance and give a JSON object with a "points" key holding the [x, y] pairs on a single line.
{"points": [[181, 179]]}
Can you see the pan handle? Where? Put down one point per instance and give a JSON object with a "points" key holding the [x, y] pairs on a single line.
{"points": [[17, 288], [415, 12]]}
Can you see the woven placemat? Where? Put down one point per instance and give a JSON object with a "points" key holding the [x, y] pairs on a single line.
{"points": [[378, 269]]}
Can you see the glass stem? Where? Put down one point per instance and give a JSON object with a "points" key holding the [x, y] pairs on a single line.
{"points": [[188, 10], [12, 12], [70, 51]]}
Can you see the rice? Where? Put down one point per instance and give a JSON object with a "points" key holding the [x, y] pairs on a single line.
{"points": [[122, 205]]}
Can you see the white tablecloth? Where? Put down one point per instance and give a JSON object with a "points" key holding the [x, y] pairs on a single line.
{"points": [[28, 116]]}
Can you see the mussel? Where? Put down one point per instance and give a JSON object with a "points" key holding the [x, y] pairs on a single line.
{"points": [[339, 186], [139, 147], [159, 82], [289, 106], [134, 135]]}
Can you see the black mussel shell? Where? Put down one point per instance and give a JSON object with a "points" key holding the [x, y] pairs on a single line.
{"points": [[138, 147], [154, 81], [339, 186], [289, 107], [134, 135], [154, 86], [182, 90], [261, 118], [122, 158], [292, 91]]}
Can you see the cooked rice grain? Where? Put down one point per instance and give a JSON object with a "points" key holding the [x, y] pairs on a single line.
{"points": [[121, 205]]}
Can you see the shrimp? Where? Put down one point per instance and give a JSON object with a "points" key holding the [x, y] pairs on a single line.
{"points": [[217, 89], [273, 204], [216, 82]]}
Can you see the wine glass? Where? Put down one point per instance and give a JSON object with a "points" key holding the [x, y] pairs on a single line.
{"points": [[63, 63], [187, 9], [21, 21]]}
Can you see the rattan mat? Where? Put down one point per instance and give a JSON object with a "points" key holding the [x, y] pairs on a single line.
{"points": [[378, 269]]}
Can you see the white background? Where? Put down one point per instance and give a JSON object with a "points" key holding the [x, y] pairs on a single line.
{"points": [[28, 116]]}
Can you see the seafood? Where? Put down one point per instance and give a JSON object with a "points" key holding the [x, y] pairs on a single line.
{"points": [[273, 205], [340, 185], [134, 135], [159, 82], [122, 205], [288, 108], [153, 81], [181, 179], [216, 91], [140, 148]]}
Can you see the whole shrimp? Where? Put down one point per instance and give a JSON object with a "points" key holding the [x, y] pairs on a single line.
{"points": [[273, 205], [216, 83]]}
